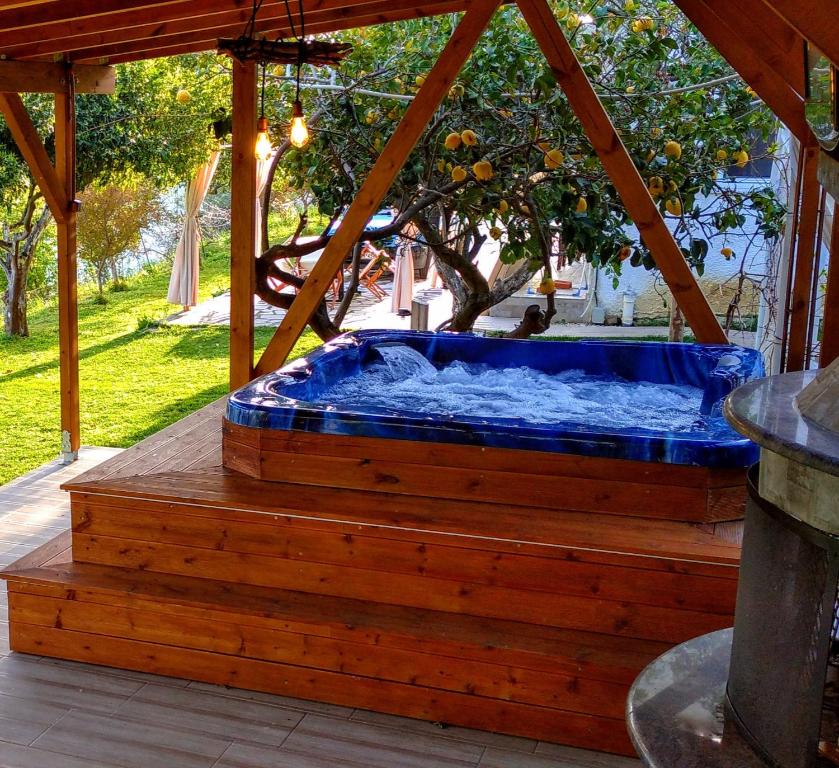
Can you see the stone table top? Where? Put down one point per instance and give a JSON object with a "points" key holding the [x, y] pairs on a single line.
{"points": [[675, 711], [765, 411]]}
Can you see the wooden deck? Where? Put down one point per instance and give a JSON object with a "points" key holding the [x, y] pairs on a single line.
{"points": [[61, 714], [454, 605]]}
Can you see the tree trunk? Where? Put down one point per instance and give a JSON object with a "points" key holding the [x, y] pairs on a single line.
{"points": [[677, 322], [15, 321]]}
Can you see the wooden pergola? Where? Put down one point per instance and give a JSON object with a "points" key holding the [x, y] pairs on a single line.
{"points": [[68, 46]]}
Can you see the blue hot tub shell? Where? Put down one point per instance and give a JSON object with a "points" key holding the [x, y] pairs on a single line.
{"points": [[283, 400]]}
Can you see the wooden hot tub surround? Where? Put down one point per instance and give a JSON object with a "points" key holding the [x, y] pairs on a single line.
{"points": [[490, 588]]}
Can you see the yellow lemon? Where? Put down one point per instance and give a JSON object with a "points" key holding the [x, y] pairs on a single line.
{"points": [[483, 170], [495, 233], [573, 20], [458, 173], [419, 80], [525, 209], [182, 96], [553, 159], [629, 6], [674, 206], [371, 117], [741, 158], [582, 205], [727, 253], [469, 138], [503, 206], [544, 146], [452, 141], [650, 155], [673, 150], [672, 186], [721, 155], [630, 89], [441, 166], [456, 91], [546, 285], [637, 27]]}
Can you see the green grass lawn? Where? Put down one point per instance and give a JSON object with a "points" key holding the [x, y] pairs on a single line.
{"points": [[134, 381]]}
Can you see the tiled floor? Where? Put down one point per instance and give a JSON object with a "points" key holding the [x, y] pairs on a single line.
{"points": [[57, 714]]}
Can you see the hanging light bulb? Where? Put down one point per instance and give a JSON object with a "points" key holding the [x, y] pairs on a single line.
{"points": [[263, 147], [299, 133]]}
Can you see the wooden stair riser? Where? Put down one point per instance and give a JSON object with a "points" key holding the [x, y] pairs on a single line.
{"points": [[554, 571], [584, 613], [580, 536], [450, 673], [467, 710]]}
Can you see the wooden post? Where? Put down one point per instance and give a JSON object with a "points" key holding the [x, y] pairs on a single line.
{"points": [[381, 176], [68, 316], [830, 323], [805, 241], [622, 171], [243, 224]]}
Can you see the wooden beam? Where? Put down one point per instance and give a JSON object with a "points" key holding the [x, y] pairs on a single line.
{"points": [[88, 32], [777, 44], [755, 66], [805, 242], [378, 182], [830, 323], [68, 316], [814, 20], [325, 25], [43, 77], [201, 38], [29, 143], [622, 171], [243, 223]]}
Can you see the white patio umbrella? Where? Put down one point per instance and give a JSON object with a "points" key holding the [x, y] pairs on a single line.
{"points": [[183, 284]]}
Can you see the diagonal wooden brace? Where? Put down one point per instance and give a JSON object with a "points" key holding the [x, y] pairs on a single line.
{"points": [[622, 171], [376, 185], [32, 149]]}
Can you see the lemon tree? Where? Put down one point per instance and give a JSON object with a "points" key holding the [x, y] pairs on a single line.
{"points": [[505, 157]]}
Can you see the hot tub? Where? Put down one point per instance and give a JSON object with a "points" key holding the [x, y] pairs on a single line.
{"points": [[657, 402]]}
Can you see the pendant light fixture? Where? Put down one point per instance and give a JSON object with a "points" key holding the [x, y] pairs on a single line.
{"points": [[263, 147], [299, 133]]}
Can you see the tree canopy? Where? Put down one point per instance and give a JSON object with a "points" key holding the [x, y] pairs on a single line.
{"points": [[506, 155]]}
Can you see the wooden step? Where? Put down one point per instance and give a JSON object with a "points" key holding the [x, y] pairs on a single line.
{"points": [[623, 593], [513, 677]]}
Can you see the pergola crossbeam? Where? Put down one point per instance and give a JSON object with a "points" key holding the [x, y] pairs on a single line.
{"points": [[44, 77], [622, 171], [814, 20]]}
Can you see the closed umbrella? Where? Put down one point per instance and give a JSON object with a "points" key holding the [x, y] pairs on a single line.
{"points": [[183, 285]]}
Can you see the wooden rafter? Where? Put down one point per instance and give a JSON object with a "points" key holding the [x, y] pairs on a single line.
{"points": [[830, 325], [622, 171], [32, 148], [804, 244], [44, 77], [814, 20], [777, 44], [377, 183], [68, 316], [243, 224], [754, 65]]}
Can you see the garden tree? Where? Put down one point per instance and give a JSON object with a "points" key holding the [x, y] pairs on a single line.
{"points": [[154, 126], [506, 158], [109, 224]]}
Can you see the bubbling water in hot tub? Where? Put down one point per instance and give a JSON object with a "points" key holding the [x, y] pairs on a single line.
{"points": [[405, 380]]}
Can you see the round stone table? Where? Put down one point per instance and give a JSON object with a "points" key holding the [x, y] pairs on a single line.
{"points": [[676, 714]]}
